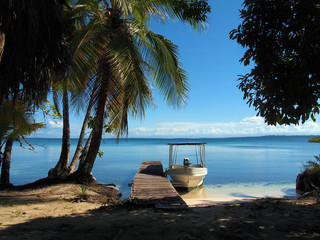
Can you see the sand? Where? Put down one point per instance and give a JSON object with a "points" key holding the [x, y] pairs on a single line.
{"points": [[56, 212]]}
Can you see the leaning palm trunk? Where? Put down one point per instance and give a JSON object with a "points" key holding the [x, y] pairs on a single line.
{"points": [[85, 167], [61, 169], [130, 54], [2, 41], [5, 169], [85, 150], [77, 153]]}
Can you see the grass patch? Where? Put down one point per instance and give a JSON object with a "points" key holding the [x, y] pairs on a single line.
{"points": [[82, 193], [19, 212]]}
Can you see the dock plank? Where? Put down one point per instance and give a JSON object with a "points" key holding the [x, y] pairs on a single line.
{"points": [[152, 187]]}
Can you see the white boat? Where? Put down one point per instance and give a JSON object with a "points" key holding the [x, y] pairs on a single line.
{"points": [[187, 174]]}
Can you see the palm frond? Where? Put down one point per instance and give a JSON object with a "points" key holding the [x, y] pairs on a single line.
{"points": [[86, 47], [126, 56], [192, 12], [16, 120], [163, 66], [34, 48]]}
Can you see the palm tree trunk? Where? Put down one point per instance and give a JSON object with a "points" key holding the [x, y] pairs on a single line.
{"points": [[77, 174], [77, 153], [85, 150], [2, 42], [61, 169], [83, 174], [85, 168], [5, 169]]}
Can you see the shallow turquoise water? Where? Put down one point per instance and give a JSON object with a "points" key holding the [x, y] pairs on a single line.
{"points": [[239, 166]]}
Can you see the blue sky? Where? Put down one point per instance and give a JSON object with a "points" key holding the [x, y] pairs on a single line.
{"points": [[215, 107]]}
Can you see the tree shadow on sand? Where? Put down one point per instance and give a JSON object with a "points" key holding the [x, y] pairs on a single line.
{"points": [[260, 219], [51, 192]]}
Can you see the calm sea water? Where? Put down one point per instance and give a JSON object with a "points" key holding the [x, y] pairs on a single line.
{"points": [[250, 167]]}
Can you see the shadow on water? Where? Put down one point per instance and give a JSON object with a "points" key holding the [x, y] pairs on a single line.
{"points": [[291, 192], [242, 195], [244, 192]]}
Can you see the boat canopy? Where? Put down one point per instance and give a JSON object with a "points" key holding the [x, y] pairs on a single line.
{"points": [[188, 143], [199, 152]]}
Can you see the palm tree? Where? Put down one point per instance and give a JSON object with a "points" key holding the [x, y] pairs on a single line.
{"points": [[89, 40], [132, 59], [61, 169], [83, 53], [32, 47], [16, 122]]}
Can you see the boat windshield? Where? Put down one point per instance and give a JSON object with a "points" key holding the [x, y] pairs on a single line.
{"points": [[198, 154]]}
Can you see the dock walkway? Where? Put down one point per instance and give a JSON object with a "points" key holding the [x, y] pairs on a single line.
{"points": [[152, 187]]}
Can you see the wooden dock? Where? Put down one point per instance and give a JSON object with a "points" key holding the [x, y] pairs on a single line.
{"points": [[150, 186]]}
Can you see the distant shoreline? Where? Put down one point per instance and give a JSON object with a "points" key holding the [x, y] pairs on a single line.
{"points": [[260, 160], [173, 138]]}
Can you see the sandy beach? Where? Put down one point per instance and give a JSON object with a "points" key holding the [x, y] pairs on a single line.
{"points": [[56, 212]]}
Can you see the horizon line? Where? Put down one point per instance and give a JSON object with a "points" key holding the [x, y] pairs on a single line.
{"points": [[251, 136]]}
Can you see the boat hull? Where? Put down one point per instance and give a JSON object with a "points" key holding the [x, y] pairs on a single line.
{"points": [[187, 177]]}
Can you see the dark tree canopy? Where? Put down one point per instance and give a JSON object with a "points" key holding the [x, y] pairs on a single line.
{"points": [[33, 47], [197, 9], [282, 38]]}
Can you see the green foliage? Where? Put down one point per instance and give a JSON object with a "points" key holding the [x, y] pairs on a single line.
{"points": [[313, 167], [100, 153], [314, 139], [82, 193], [196, 10], [34, 48], [7, 204], [281, 38], [91, 122], [127, 54], [55, 112], [16, 120], [309, 179], [115, 203], [19, 212], [50, 110]]}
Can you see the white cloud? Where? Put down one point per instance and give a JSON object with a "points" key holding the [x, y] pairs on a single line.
{"points": [[247, 127], [253, 120], [53, 129], [55, 124], [250, 126]]}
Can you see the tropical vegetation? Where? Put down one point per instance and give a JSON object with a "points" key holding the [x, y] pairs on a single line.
{"points": [[32, 47], [281, 39], [16, 122], [314, 139], [309, 179], [115, 61]]}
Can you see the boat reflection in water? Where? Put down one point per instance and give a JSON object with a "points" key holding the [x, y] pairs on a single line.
{"points": [[195, 193]]}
